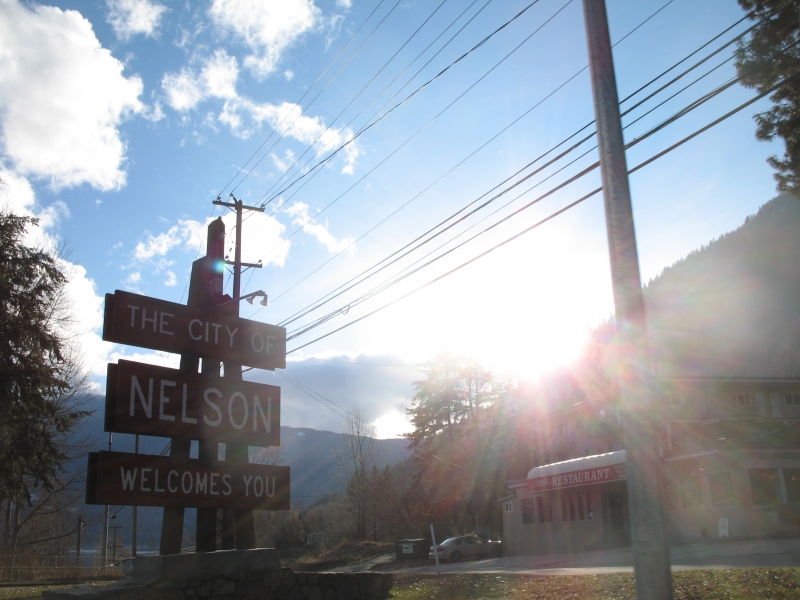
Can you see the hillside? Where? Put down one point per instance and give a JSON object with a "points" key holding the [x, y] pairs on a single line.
{"points": [[733, 306]]}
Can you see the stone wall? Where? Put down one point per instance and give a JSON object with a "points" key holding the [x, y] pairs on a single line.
{"points": [[231, 575]]}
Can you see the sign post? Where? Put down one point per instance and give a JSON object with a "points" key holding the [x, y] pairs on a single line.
{"points": [[194, 402]]}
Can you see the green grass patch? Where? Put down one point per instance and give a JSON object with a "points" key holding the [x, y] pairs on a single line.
{"points": [[34, 591], [731, 584]]}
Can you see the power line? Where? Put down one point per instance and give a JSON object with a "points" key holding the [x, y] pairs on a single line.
{"points": [[322, 301], [505, 191], [346, 362], [552, 215], [352, 37]]}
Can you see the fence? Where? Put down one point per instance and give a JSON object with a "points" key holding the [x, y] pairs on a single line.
{"points": [[37, 568]]}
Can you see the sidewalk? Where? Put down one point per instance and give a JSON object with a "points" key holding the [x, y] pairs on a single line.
{"points": [[708, 555]]}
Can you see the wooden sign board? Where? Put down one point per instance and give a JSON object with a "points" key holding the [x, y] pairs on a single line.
{"points": [[142, 480], [147, 322], [152, 400]]}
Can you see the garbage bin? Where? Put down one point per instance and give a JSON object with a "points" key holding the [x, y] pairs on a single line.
{"points": [[412, 549]]}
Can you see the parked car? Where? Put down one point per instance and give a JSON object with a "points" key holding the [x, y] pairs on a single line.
{"points": [[466, 546]]}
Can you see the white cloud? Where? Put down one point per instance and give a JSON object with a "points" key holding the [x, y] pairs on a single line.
{"points": [[262, 240], [131, 17], [288, 74], [299, 211], [267, 27], [62, 98], [243, 116], [283, 163], [171, 279], [216, 79], [344, 3], [189, 233]]}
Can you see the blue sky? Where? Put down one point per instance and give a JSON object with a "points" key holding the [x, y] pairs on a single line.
{"points": [[122, 120]]}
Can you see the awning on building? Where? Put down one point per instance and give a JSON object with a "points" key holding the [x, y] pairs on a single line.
{"points": [[586, 470]]}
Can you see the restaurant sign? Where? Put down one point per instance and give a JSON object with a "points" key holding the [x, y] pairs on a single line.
{"points": [[576, 478]]}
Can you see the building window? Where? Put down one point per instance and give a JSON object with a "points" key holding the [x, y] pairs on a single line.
{"points": [[672, 399], [792, 399], [580, 423], [509, 506], [721, 487], [692, 491], [743, 399], [605, 414], [668, 493], [576, 507], [544, 509], [527, 511], [764, 483], [791, 478]]}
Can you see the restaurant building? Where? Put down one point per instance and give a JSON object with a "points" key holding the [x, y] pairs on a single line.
{"points": [[731, 452]]}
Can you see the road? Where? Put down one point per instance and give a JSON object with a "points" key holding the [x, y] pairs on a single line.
{"points": [[708, 555]]}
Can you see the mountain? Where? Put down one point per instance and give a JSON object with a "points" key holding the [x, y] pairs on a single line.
{"points": [[733, 306]]}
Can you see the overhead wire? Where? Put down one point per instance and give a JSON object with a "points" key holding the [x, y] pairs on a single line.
{"points": [[303, 111], [365, 275], [552, 215]]}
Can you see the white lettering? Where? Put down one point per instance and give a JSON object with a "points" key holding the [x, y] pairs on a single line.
{"points": [[144, 480], [133, 314], [218, 420], [157, 489], [169, 482], [191, 333], [260, 342], [152, 319], [270, 339], [272, 493], [201, 483], [137, 389], [206, 331], [164, 400], [216, 327], [183, 482], [226, 479], [213, 485], [258, 487], [231, 333], [247, 484], [230, 410], [184, 418], [162, 323], [267, 420], [128, 478]]}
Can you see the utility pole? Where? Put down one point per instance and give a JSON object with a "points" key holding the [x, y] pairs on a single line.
{"points": [[105, 519], [114, 545], [135, 509], [78, 547], [243, 527], [644, 466]]}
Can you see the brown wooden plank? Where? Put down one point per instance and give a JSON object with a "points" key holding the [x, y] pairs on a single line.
{"points": [[126, 479], [152, 400], [156, 324]]}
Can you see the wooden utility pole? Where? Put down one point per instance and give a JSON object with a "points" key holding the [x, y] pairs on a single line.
{"points": [[644, 466], [78, 547], [244, 536]]}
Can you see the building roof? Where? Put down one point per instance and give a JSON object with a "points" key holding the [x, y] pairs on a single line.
{"points": [[578, 464]]}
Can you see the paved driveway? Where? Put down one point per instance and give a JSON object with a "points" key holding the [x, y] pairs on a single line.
{"points": [[709, 555]]}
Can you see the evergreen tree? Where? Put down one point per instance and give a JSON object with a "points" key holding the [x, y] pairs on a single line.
{"points": [[770, 54], [37, 373]]}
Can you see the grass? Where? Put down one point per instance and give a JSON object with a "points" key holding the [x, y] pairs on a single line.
{"points": [[34, 591], [732, 584]]}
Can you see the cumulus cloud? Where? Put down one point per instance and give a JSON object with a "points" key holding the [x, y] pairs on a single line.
{"points": [[216, 78], [62, 98], [262, 240], [299, 211], [244, 116], [267, 28], [132, 17]]}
